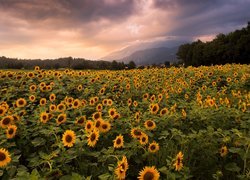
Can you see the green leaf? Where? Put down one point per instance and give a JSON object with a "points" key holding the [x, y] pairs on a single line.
{"points": [[38, 141], [164, 170], [104, 176], [232, 167]]}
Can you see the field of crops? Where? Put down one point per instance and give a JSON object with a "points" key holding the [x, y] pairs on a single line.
{"points": [[173, 123]]}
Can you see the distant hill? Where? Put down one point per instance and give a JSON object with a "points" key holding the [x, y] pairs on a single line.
{"points": [[152, 56]]}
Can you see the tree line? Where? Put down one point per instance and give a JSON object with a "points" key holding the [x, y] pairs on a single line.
{"points": [[66, 62], [231, 48]]}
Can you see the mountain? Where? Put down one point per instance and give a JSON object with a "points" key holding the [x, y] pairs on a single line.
{"points": [[140, 46], [152, 56]]}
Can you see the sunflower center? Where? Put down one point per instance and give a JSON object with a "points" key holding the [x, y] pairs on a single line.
{"points": [[104, 126], [80, 121], [2, 156], [143, 139], [148, 176], [21, 102], [11, 131], [60, 119], [112, 113], [164, 112], [118, 141], [1, 111], [154, 108], [137, 132], [92, 137], [44, 117], [152, 147], [96, 116], [60, 107], [98, 123], [68, 138], [76, 104], [150, 123], [6, 121], [88, 126]]}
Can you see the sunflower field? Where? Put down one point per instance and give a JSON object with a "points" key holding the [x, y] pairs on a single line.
{"points": [[147, 124]]}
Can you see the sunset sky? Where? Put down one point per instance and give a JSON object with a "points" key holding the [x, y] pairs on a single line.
{"points": [[94, 28]]}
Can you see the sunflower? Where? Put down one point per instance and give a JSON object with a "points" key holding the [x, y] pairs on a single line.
{"points": [[2, 111], [149, 173], [98, 123], [152, 98], [104, 102], [154, 108], [136, 133], [44, 117], [135, 103], [110, 102], [164, 111], [4, 157], [137, 116], [91, 102], [89, 126], [33, 87], [76, 104], [150, 125], [112, 112], [6, 121], [16, 118], [32, 98], [52, 97], [223, 151], [105, 127], [129, 102], [21, 102], [43, 101], [96, 115], [144, 139], [102, 90], [153, 147], [37, 68], [118, 142], [11, 131], [99, 107], [178, 162], [116, 116], [122, 167], [52, 107], [96, 99], [145, 96], [61, 107], [81, 120], [93, 138], [61, 118], [184, 114], [79, 87], [69, 138]]}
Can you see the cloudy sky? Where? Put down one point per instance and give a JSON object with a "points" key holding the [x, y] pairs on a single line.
{"points": [[94, 28]]}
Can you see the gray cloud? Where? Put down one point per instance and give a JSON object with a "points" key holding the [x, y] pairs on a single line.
{"points": [[202, 17], [82, 11]]}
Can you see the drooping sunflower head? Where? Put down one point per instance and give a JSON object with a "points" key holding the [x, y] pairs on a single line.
{"points": [[93, 138], [11, 131], [118, 142], [2, 111], [6, 121], [150, 125], [61, 118], [81, 120], [4, 157], [178, 161], [153, 147], [122, 167], [149, 173], [69, 138], [21, 102]]}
